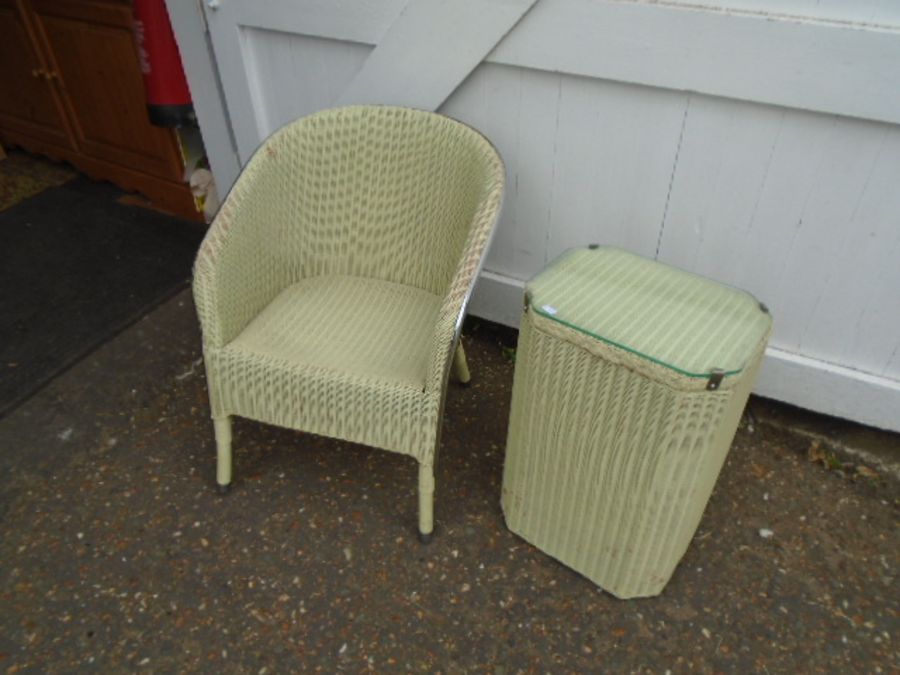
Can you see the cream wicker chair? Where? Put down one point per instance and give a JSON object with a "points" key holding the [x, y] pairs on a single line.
{"points": [[332, 285]]}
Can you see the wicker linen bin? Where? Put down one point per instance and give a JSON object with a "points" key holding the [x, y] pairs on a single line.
{"points": [[631, 377]]}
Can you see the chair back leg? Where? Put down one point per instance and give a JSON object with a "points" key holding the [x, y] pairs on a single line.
{"points": [[460, 366]]}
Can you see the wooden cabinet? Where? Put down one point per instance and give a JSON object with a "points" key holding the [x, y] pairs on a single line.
{"points": [[71, 88], [28, 105]]}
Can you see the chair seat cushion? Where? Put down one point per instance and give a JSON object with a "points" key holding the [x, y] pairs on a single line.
{"points": [[354, 327], [339, 356]]}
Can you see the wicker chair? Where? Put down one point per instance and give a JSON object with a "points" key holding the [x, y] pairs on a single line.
{"points": [[332, 285]]}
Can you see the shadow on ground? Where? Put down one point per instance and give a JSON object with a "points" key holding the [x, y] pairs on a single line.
{"points": [[117, 554]]}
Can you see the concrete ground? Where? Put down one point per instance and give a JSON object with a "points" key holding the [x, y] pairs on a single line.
{"points": [[116, 553]]}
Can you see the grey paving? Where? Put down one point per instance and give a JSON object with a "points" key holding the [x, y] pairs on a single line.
{"points": [[117, 555]]}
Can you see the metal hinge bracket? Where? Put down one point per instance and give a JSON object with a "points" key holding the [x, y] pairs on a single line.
{"points": [[716, 376]]}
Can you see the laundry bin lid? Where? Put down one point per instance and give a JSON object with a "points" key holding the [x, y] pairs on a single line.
{"points": [[690, 325]]}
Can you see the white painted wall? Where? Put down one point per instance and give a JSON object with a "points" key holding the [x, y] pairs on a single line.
{"points": [[759, 150], [864, 12]]}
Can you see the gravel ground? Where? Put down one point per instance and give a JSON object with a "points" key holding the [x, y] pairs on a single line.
{"points": [[116, 553]]}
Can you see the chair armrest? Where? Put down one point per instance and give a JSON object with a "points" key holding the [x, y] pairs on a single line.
{"points": [[238, 270], [456, 299]]}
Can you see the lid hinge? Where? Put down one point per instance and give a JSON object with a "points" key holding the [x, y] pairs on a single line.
{"points": [[716, 376]]}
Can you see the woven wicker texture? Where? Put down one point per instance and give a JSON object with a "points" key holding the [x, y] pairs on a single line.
{"points": [[651, 309], [331, 282], [607, 469]]}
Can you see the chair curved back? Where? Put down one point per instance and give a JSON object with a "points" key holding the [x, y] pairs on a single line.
{"points": [[377, 191]]}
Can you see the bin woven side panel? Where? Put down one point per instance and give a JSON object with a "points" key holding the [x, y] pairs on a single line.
{"points": [[606, 470]]}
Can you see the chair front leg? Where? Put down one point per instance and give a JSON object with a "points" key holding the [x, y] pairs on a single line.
{"points": [[223, 453], [426, 503]]}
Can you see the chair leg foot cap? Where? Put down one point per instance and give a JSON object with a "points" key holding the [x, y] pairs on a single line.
{"points": [[223, 489], [425, 538]]}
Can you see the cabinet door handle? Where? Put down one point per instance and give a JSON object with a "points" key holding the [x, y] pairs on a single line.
{"points": [[38, 72]]}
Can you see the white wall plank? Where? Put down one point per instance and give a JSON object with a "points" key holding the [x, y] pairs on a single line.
{"points": [[816, 253], [830, 389], [809, 65], [587, 161], [868, 309], [864, 301], [231, 26], [517, 110], [797, 153], [739, 224], [498, 298], [421, 59], [616, 146], [871, 12], [892, 369], [726, 151], [363, 21], [317, 70]]}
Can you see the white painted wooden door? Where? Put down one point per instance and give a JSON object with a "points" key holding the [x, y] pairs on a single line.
{"points": [[755, 147]]}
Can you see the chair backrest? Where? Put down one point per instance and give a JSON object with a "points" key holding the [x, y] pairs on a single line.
{"points": [[377, 191]]}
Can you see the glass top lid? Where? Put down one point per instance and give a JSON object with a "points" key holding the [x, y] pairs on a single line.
{"points": [[674, 318]]}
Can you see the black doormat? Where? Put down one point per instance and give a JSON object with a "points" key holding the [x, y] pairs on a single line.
{"points": [[76, 267]]}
